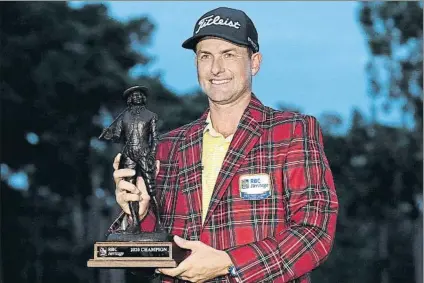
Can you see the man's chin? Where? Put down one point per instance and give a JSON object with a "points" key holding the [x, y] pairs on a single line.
{"points": [[219, 100]]}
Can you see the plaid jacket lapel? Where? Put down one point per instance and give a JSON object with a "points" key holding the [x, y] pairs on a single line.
{"points": [[190, 165], [248, 132]]}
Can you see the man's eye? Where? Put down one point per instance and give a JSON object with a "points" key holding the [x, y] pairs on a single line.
{"points": [[204, 56], [228, 55]]}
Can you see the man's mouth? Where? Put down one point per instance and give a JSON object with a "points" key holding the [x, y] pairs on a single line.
{"points": [[220, 82]]}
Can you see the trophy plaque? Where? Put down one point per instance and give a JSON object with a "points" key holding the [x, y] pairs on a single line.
{"points": [[127, 254], [131, 247]]}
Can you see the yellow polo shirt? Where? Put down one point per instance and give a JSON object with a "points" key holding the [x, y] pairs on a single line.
{"points": [[214, 149]]}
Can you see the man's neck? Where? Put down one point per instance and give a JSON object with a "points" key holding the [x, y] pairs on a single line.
{"points": [[225, 118]]}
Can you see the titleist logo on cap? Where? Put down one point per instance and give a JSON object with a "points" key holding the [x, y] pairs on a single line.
{"points": [[211, 20]]}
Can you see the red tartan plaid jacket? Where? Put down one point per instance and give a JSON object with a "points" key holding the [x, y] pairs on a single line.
{"points": [[278, 239]]}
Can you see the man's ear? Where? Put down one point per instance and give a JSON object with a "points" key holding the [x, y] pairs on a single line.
{"points": [[256, 63]]}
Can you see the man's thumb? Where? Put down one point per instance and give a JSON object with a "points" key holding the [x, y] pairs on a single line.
{"points": [[141, 185], [189, 245]]}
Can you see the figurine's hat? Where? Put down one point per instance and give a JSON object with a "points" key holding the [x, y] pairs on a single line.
{"points": [[132, 89]]}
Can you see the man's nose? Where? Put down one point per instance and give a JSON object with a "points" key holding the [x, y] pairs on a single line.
{"points": [[217, 66]]}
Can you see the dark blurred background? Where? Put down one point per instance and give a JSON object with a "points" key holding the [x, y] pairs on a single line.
{"points": [[63, 70]]}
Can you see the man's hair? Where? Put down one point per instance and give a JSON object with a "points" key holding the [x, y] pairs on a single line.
{"points": [[249, 50]]}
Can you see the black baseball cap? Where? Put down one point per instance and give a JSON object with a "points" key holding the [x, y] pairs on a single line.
{"points": [[226, 23]]}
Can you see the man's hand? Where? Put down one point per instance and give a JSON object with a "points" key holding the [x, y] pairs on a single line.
{"points": [[203, 264], [126, 191]]}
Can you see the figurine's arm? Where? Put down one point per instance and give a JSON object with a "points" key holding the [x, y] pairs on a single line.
{"points": [[113, 132], [154, 140]]}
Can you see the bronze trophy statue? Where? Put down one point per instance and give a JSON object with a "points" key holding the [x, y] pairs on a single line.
{"points": [[131, 247]]}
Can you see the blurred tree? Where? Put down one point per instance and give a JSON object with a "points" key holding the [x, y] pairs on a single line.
{"points": [[391, 171], [378, 169], [59, 65], [63, 71], [394, 31], [394, 34]]}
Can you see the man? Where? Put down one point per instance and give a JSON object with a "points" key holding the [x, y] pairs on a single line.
{"points": [[246, 188]]}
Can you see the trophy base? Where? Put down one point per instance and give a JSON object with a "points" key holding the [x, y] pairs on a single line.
{"points": [[131, 263], [136, 250]]}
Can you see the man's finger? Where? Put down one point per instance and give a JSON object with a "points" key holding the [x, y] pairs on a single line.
{"points": [[121, 173], [127, 186], [188, 275], [119, 198], [141, 185], [191, 279], [190, 245], [131, 197], [116, 161], [174, 272]]}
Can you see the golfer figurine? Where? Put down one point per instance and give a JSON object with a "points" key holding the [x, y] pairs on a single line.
{"points": [[136, 128]]}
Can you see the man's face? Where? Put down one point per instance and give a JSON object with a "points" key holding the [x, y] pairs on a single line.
{"points": [[138, 98], [225, 70]]}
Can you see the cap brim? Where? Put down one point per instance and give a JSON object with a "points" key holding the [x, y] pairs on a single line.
{"points": [[192, 41]]}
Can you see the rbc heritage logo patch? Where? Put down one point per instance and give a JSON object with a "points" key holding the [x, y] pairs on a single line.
{"points": [[245, 184], [255, 186]]}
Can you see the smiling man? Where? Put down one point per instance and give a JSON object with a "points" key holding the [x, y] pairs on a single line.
{"points": [[248, 189]]}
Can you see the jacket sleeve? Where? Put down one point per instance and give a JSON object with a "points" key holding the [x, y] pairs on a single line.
{"points": [[313, 208]]}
